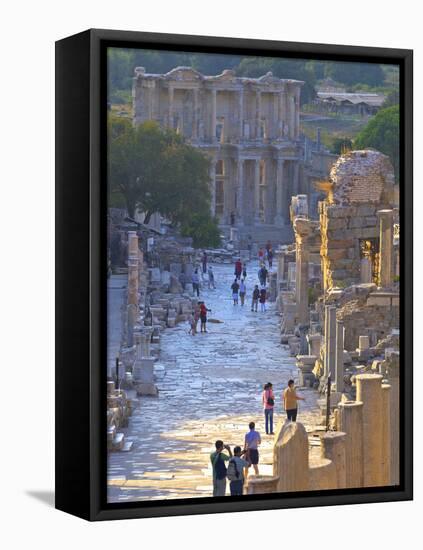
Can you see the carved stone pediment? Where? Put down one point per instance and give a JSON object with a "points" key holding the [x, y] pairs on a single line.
{"points": [[184, 73]]}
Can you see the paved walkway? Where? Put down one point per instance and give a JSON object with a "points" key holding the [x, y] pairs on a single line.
{"points": [[210, 388]]}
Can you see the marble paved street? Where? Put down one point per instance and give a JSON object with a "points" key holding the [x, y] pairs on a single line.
{"points": [[210, 388]]}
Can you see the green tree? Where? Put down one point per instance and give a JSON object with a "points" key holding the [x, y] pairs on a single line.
{"points": [[154, 170], [350, 73], [203, 229], [382, 133]]}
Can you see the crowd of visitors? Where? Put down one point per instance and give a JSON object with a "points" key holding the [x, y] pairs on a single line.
{"points": [[235, 466]]}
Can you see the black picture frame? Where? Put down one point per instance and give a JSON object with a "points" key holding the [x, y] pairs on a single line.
{"points": [[81, 106]]}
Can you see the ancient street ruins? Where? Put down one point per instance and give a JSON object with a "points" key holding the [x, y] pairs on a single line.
{"points": [[332, 313]]}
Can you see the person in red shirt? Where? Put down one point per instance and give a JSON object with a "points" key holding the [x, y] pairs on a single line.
{"points": [[203, 316], [238, 268]]}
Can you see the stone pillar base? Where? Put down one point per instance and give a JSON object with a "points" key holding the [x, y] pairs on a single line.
{"points": [[147, 389]]}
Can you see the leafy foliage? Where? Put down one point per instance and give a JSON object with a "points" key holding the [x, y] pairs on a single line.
{"points": [[154, 170], [204, 231], [382, 133]]}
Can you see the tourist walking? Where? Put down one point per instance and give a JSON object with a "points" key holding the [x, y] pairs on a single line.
{"points": [[268, 398], [193, 324], [290, 401], [242, 291], [211, 278], [262, 299], [244, 270], [255, 299], [197, 311], [203, 316], [262, 275], [218, 459], [195, 283], [251, 445], [268, 247], [260, 255], [238, 268], [204, 264], [270, 257], [235, 472], [235, 289]]}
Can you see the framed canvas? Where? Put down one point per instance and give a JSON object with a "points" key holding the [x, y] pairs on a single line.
{"points": [[231, 297]]}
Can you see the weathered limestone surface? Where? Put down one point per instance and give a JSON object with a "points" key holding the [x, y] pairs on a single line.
{"points": [[333, 448], [386, 264], [253, 180], [369, 392], [386, 435], [290, 457], [350, 418], [322, 474]]}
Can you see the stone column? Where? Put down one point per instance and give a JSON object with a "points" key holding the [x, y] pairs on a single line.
{"points": [[363, 343], [240, 201], [290, 457], [297, 112], [386, 435], [282, 113], [365, 271], [268, 200], [213, 187], [339, 359], [133, 260], [257, 191], [241, 114], [295, 177], [279, 219], [393, 376], [386, 247], [330, 341], [196, 117], [213, 115], [258, 113], [350, 418], [333, 448], [369, 392], [170, 112], [227, 201], [302, 231]]}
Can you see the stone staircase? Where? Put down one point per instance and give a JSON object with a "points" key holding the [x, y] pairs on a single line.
{"points": [[260, 234]]}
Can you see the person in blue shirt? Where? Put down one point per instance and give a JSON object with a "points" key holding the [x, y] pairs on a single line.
{"points": [[251, 444]]}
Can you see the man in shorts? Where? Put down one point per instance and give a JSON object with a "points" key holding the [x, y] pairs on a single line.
{"points": [[251, 444]]}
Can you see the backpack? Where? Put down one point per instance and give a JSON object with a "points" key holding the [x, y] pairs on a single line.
{"points": [[270, 401], [233, 472], [220, 468]]}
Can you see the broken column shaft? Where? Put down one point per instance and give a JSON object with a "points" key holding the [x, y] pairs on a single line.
{"points": [[350, 419], [369, 392]]}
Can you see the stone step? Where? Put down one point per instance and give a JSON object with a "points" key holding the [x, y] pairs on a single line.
{"points": [[127, 446], [118, 442]]}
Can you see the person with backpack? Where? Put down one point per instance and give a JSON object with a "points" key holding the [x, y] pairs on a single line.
{"points": [[268, 398], [235, 289], [262, 275], [218, 459], [251, 445], [235, 472], [255, 299]]}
